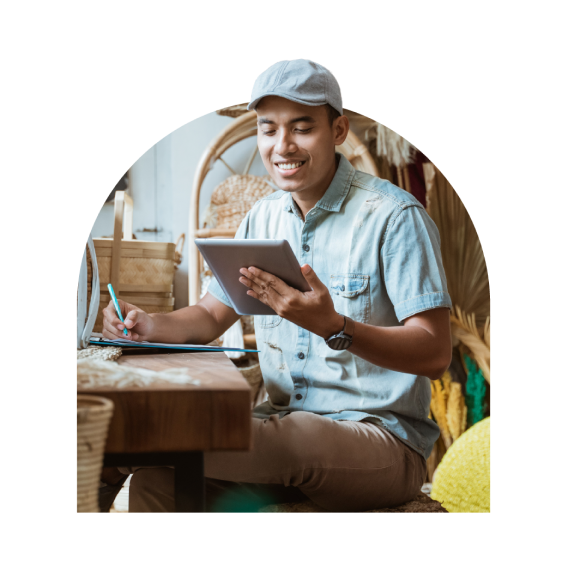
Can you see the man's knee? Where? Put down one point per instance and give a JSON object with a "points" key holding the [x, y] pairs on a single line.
{"points": [[303, 437]]}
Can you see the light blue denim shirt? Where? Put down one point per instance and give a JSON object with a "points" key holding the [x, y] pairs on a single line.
{"points": [[378, 252]]}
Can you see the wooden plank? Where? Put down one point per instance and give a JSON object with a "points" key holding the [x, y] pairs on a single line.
{"points": [[140, 300], [105, 242], [249, 340], [148, 245], [229, 419], [117, 240], [208, 233], [214, 415], [128, 211], [161, 288], [214, 370], [139, 253]]}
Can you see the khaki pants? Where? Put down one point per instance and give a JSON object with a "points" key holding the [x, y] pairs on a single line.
{"points": [[340, 465]]}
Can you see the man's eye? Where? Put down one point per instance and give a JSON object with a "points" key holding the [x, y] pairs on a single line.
{"points": [[268, 132], [303, 131]]}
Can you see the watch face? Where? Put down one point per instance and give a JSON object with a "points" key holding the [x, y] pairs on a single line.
{"points": [[338, 343]]}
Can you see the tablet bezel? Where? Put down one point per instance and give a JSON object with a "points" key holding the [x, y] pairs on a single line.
{"points": [[225, 257]]}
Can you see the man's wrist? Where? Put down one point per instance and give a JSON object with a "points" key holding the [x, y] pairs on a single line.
{"points": [[334, 326], [153, 326]]}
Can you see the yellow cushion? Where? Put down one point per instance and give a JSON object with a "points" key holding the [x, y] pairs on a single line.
{"points": [[461, 482]]}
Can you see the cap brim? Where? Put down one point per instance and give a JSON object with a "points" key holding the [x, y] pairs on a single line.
{"points": [[252, 105]]}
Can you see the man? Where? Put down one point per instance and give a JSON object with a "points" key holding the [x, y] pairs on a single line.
{"points": [[347, 366]]}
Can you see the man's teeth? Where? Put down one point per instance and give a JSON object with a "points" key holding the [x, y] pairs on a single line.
{"points": [[289, 166]]}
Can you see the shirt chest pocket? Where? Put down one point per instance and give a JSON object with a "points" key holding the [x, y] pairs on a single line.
{"points": [[267, 322], [351, 295]]}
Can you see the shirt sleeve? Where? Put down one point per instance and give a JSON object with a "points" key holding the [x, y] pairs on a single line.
{"points": [[214, 288], [412, 264]]}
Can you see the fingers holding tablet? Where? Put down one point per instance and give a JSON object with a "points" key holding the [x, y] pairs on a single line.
{"points": [[263, 280], [266, 287]]}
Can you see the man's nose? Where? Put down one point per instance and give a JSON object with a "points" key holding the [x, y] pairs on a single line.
{"points": [[285, 143]]}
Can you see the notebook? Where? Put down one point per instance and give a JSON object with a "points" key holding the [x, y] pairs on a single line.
{"points": [[98, 339]]}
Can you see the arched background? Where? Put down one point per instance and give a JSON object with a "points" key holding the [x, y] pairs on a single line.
{"points": [[160, 184]]}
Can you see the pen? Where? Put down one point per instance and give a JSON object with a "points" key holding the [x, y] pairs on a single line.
{"points": [[116, 306]]}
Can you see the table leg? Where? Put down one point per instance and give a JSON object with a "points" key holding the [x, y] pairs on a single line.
{"points": [[189, 479], [189, 483]]}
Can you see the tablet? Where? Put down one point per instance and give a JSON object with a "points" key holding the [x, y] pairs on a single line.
{"points": [[226, 257]]}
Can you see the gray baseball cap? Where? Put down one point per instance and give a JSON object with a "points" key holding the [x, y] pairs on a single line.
{"points": [[299, 80]]}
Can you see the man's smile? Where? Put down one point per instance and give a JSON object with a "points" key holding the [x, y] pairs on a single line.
{"points": [[289, 168]]}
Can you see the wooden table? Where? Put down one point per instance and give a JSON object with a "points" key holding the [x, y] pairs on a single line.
{"points": [[173, 424]]}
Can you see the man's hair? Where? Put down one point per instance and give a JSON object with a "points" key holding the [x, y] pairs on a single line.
{"points": [[332, 114]]}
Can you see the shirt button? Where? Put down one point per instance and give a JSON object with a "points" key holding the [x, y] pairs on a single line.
{"points": [[298, 397], [306, 247], [300, 355]]}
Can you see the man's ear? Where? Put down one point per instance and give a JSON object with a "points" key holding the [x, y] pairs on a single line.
{"points": [[340, 129]]}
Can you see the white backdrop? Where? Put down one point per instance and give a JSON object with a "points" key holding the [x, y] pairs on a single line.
{"points": [[161, 185]]}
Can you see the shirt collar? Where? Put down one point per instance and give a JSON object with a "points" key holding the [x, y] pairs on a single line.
{"points": [[337, 191]]}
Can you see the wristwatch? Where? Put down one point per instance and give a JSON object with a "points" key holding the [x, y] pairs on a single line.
{"points": [[344, 338]]}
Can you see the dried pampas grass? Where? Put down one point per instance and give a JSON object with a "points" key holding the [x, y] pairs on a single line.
{"points": [[456, 411], [390, 145], [462, 255], [464, 328], [439, 406]]}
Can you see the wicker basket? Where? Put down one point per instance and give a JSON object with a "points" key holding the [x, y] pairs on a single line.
{"points": [[141, 272], [93, 418]]}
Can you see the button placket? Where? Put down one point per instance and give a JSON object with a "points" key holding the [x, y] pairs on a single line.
{"points": [[302, 344], [307, 238], [300, 360]]}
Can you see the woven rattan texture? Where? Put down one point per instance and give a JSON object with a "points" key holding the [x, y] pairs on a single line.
{"points": [[462, 480], [233, 111], [253, 376], [139, 270], [93, 417], [420, 504], [100, 353], [233, 198]]}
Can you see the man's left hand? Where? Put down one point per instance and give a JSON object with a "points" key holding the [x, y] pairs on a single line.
{"points": [[313, 310]]}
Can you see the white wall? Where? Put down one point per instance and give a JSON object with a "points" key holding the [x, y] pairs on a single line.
{"points": [[161, 184]]}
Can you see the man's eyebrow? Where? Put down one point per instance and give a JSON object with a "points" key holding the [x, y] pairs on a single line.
{"points": [[294, 120], [302, 119]]}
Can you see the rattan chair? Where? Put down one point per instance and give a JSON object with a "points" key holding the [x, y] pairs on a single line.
{"points": [[244, 127]]}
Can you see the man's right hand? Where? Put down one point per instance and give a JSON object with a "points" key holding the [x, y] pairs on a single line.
{"points": [[138, 323]]}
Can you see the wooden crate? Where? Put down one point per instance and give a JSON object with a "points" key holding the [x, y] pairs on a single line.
{"points": [[141, 272]]}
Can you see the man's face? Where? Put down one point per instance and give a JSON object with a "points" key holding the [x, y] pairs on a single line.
{"points": [[297, 144]]}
